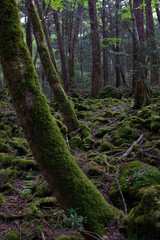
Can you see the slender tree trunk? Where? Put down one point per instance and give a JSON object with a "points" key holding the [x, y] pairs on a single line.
{"points": [[117, 57], [105, 55], [51, 74], [96, 53], [29, 35], [150, 32], [47, 37], [70, 185], [64, 67], [141, 95], [158, 12], [73, 43]]}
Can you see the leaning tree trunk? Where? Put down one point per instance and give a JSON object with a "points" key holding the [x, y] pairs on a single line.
{"points": [[96, 53], [52, 76], [48, 41], [70, 185]]}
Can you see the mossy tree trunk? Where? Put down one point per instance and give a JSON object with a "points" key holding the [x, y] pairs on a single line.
{"points": [[70, 185], [51, 74]]}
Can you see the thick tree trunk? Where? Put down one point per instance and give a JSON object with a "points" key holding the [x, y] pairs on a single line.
{"points": [[64, 67], [105, 55], [150, 32], [96, 53], [49, 44], [73, 44], [158, 12], [51, 74], [70, 185]]}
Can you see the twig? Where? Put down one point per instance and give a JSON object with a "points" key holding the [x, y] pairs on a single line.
{"points": [[43, 237], [92, 234], [68, 144]]}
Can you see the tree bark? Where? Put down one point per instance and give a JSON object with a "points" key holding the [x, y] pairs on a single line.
{"points": [[70, 185], [150, 32], [29, 35], [96, 53], [105, 55], [51, 74], [158, 12], [49, 44], [73, 43], [64, 67], [117, 57]]}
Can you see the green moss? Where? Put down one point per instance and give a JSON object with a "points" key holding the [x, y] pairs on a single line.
{"points": [[75, 142], [4, 147], [21, 145], [43, 190], [92, 169], [24, 164], [12, 235], [2, 199], [62, 127], [109, 91], [105, 146], [87, 143], [6, 160], [97, 144], [145, 113], [100, 119], [132, 177], [155, 124], [101, 132], [108, 113], [144, 219], [85, 131], [95, 124]]}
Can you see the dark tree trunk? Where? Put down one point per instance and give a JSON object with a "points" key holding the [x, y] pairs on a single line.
{"points": [[47, 37], [158, 12], [64, 67], [150, 32], [96, 53], [70, 185], [105, 55], [51, 74], [117, 57], [73, 43], [29, 35]]}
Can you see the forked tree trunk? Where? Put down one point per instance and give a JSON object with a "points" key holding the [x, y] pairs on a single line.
{"points": [[96, 53], [70, 185], [48, 41], [51, 74], [64, 67]]}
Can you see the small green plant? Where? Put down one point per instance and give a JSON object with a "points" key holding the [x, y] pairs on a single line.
{"points": [[73, 220]]}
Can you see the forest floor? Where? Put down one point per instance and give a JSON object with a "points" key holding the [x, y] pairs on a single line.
{"points": [[108, 128]]}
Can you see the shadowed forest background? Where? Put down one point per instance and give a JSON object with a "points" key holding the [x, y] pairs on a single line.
{"points": [[80, 120]]}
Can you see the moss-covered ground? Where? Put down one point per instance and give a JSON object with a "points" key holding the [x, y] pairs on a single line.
{"points": [[108, 127]]}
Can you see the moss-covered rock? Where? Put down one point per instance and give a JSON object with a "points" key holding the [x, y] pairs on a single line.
{"points": [[132, 177], [43, 190], [12, 235], [6, 160], [101, 132], [105, 146], [155, 124], [144, 219], [21, 145], [24, 164], [75, 142], [4, 147], [87, 143], [85, 131], [109, 91]]}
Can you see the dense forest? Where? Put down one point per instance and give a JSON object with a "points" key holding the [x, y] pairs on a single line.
{"points": [[80, 120]]}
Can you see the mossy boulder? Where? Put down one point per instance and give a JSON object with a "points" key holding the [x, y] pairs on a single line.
{"points": [[87, 143], [132, 177], [4, 147], [24, 164], [92, 169], [109, 91], [85, 131], [124, 134], [12, 235], [43, 190], [6, 160], [144, 219], [21, 145], [101, 132], [105, 146], [155, 124], [75, 143]]}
